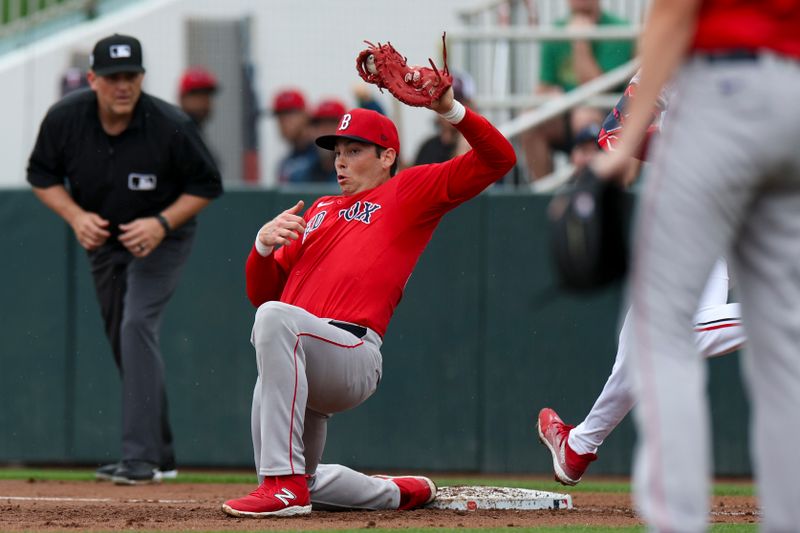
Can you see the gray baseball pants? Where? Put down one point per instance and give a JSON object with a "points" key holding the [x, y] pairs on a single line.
{"points": [[133, 294], [725, 182], [309, 369]]}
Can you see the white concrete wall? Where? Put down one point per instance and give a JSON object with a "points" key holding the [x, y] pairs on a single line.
{"points": [[311, 44]]}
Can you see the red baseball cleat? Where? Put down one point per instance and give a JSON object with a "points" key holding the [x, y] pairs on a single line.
{"points": [[276, 496], [568, 466], [415, 491]]}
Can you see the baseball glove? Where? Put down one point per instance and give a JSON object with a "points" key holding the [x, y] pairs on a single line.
{"points": [[384, 66], [589, 224]]}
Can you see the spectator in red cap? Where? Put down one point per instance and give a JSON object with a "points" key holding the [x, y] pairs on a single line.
{"points": [[294, 123], [324, 121], [196, 91], [330, 110]]}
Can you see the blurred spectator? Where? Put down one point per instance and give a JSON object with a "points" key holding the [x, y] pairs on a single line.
{"points": [[448, 141], [564, 66], [196, 91], [289, 107], [74, 78], [584, 146], [365, 98], [324, 121]]}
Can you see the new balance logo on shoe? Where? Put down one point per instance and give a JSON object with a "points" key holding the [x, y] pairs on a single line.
{"points": [[285, 495], [276, 496]]}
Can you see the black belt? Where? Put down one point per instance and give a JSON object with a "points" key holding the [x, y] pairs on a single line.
{"points": [[358, 331], [731, 55]]}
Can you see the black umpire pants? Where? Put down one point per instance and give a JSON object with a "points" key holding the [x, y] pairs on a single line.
{"points": [[132, 294]]}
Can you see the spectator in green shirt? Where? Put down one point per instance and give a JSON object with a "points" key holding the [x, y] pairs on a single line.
{"points": [[564, 66]]}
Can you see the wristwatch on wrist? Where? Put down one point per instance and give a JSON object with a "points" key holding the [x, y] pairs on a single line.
{"points": [[164, 223]]}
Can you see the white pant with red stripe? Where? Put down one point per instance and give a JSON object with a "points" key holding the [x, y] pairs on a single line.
{"points": [[718, 331], [308, 370]]}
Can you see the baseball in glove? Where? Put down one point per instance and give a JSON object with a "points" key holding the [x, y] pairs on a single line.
{"points": [[384, 66], [589, 224]]}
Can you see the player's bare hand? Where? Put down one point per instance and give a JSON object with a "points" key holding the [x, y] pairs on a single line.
{"points": [[142, 236], [612, 166], [90, 230], [444, 103], [284, 228]]}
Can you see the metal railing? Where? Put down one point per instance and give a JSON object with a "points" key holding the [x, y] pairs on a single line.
{"points": [[486, 53], [547, 11], [499, 47], [545, 33], [556, 106], [581, 94], [19, 16]]}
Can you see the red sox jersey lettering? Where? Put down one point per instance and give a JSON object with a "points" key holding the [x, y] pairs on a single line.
{"points": [[361, 211], [314, 223]]}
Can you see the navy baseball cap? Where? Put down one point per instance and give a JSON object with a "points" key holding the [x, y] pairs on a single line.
{"points": [[588, 133], [363, 125], [116, 53]]}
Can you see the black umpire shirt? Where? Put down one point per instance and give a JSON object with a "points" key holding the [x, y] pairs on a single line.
{"points": [[135, 174]]}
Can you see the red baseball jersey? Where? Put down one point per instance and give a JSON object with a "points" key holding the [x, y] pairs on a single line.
{"points": [[358, 251], [749, 25]]}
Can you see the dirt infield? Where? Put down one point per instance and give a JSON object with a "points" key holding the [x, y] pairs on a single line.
{"points": [[95, 506]]}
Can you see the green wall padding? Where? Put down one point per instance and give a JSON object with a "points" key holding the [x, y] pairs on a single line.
{"points": [[481, 341]]}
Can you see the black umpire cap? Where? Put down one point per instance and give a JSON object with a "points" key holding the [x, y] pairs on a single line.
{"points": [[116, 53]]}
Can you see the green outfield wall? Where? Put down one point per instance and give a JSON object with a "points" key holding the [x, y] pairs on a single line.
{"points": [[481, 341]]}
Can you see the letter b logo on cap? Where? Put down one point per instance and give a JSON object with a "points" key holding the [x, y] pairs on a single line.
{"points": [[345, 122]]}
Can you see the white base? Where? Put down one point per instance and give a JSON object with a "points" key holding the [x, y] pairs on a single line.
{"points": [[477, 497]]}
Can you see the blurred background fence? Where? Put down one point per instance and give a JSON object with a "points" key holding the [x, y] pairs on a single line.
{"points": [[481, 341]]}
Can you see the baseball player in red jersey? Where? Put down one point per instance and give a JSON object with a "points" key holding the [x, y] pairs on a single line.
{"points": [[326, 284], [725, 181], [717, 325]]}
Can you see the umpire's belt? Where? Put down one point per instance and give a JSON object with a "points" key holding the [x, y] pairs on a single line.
{"points": [[355, 329]]}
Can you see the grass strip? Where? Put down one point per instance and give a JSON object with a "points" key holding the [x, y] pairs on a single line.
{"points": [[722, 488]]}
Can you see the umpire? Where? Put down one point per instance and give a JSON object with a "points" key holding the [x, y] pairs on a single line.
{"points": [[128, 172]]}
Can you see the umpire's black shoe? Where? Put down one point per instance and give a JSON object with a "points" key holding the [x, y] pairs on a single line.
{"points": [[136, 473], [106, 472]]}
